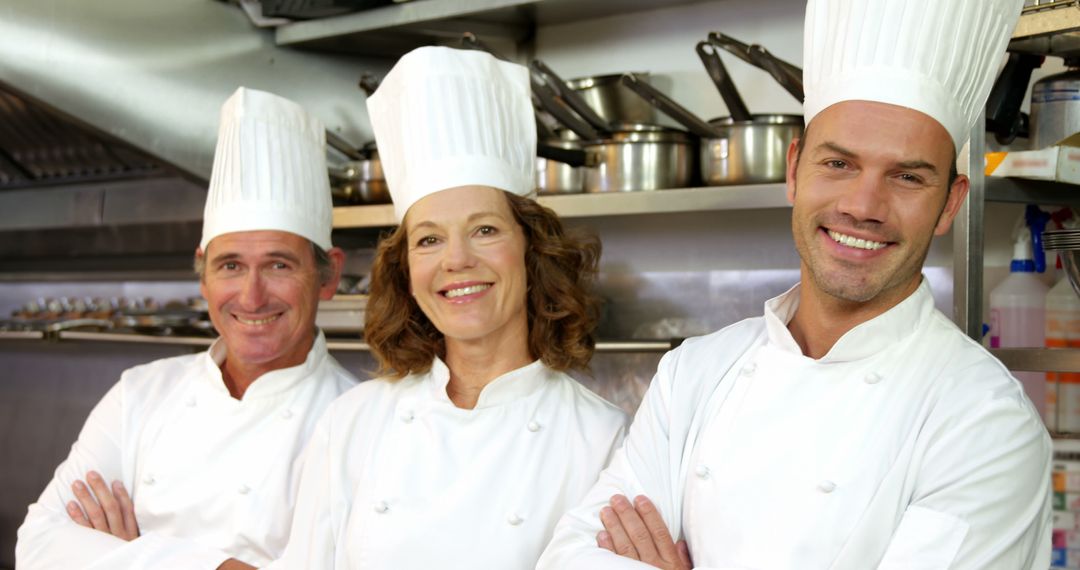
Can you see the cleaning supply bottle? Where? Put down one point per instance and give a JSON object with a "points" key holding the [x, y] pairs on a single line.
{"points": [[1062, 331], [1018, 305]]}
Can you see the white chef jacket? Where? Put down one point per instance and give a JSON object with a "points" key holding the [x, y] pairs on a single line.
{"points": [[906, 446], [212, 477], [399, 478]]}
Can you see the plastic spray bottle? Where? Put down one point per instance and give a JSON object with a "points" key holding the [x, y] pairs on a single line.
{"points": [[1063, 331], [1018, 304]]}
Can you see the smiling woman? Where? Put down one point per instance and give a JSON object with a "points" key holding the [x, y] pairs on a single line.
{"points": [[558, 270], [475, 441]]}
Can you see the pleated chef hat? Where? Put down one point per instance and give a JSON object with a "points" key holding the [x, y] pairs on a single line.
{"points": [[445, 118], [938, 57], [269, 170]]}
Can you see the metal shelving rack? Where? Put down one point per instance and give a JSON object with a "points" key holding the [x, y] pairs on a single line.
{"points": [[396, 29], [331, 343], [714, 198], [1049, 27]]}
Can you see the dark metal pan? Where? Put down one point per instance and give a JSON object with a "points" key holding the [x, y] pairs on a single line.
{"points": [[668, 106], [742, 51], [570, 97], [716, 70], [549, 102], [368, 83], [787, 78]]}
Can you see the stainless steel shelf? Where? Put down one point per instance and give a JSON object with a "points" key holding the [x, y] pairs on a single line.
{"points": [[1026, 191], [747, 197], [396, 29], [1039, 359], [134, 338], [332, 343], [1049, 27], [21, 335]]}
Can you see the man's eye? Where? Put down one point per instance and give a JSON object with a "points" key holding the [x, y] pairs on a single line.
{"points": [[281, 265], [840, 164], [910, 178], [229, 266]]}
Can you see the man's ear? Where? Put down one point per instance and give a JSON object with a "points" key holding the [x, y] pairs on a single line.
{"points": [[337, 264], [958, 191], [792, 167]]}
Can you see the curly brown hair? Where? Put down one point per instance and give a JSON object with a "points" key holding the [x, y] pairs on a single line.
{"points": [[560, 267]]}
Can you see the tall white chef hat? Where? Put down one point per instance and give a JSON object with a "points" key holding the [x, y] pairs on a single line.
{"points": [[269, 170], [938, 57], [445, 118]]}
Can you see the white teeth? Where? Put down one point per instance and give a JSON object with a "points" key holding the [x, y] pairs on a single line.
{"points": [[855, 242], [258, 321], [471, 289]]}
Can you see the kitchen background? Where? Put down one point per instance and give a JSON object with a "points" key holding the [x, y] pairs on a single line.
{"points": [[154, 75]]}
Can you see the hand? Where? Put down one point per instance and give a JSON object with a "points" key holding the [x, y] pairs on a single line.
{"points": [[234, 564], [111, 512], [638, 531]]}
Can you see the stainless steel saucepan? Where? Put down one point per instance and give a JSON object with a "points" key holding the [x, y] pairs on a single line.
{"points": [[625, 157], [640, 157], [611, 100], [749, 151]]}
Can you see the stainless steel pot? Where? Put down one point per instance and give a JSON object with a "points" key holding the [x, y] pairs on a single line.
{"points": [[1055, 108], [640, 157], [749, 152], [361, 181], [612, 101], [554, 177]]}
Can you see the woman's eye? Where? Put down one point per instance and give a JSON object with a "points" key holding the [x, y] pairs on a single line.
{"points": [[426, 241], [487, 230]]}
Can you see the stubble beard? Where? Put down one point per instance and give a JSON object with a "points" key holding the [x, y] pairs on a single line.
{"points": [[851, 282]]}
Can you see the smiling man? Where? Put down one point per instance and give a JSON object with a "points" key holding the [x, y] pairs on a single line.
{"points": [[853, 426], [208, 444]]}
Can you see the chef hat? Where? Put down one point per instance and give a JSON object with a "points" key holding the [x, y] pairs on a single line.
{"points": [[269, 170], [938, 57], [445, 118]]}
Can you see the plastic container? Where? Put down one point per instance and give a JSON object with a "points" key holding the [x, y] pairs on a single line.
{"points": [[1018, 314], [1063, 331]]}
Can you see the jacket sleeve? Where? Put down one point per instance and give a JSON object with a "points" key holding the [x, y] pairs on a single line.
{"points": [[49, 540], [642, 466], [982, 497], [312, 538]]}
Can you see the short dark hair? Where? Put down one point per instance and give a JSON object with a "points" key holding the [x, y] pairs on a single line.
{"points": [[560, 268]]}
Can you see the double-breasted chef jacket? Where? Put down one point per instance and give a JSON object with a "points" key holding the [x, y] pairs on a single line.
{"points": [[399, 478], [212, 477], [906, 446]]}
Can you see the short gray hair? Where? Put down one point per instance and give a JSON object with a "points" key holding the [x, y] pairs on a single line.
{"points": [[322, 264]]}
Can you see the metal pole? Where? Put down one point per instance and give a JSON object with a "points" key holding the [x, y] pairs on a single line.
{"points": [[968, 240]]}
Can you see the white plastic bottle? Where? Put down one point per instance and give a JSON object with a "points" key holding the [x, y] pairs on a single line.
{"points": [[1063, 331], [1018, 314]]}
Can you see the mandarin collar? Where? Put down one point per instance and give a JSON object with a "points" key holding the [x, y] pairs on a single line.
{"points": [[503, 390], [862, 341], [272, 383]]}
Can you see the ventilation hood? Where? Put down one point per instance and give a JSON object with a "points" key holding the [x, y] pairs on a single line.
{"points": [[154, 74]]}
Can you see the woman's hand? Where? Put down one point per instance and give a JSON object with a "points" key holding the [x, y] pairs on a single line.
{"points": [[638, 531]]}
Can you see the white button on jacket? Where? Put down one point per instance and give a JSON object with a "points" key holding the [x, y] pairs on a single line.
{"points": [[191, 470], [453, 488], [944, 465]]}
